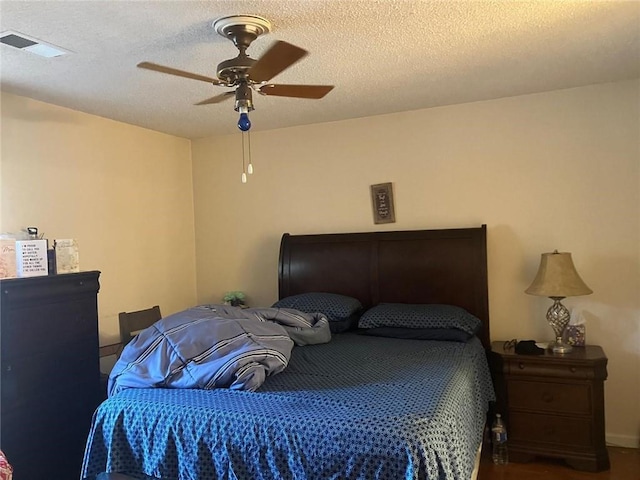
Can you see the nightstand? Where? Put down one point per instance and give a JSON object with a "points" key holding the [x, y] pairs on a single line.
{"points": [[553, 404]]}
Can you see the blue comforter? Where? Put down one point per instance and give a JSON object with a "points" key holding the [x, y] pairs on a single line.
{"points": [[215, 346], [358, 407]]}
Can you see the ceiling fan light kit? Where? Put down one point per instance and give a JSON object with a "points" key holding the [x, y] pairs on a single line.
{"points": [[246, 74]]}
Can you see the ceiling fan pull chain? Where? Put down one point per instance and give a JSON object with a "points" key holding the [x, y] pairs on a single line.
{"points": [[244, 174], [250, 166]]}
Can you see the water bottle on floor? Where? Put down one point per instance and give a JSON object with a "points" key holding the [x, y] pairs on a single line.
{"points": [[500, 453]]}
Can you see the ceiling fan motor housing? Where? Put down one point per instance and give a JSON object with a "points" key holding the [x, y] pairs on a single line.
{"points": [[234, 69], [241, 30], [246, 74]]}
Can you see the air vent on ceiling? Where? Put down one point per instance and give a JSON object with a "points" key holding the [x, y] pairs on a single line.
{"points": [[30, 44]]}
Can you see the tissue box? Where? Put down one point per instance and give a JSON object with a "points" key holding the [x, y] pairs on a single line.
{"points": [[575, 335]]}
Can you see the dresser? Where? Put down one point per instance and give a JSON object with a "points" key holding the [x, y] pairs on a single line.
{"points": [[553, 404], [50, 374]]}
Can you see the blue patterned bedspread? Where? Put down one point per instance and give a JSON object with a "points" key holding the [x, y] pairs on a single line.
{"points": [[358, 407]]}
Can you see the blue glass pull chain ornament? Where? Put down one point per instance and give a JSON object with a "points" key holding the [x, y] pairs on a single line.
{"points": [[244, 104], [244, 123]]}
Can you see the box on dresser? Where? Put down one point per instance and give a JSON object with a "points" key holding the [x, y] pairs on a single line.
{"points": [[31, 258], [50, 372], [553, 404]]}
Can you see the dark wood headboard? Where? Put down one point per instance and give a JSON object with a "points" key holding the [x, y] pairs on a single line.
{"points": [[419, 266]]}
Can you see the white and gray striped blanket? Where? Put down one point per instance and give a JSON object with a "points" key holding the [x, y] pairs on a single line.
{"points": [[215, 346]]}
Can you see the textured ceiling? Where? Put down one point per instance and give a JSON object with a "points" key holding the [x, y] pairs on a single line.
{"points": [[382, 56]]}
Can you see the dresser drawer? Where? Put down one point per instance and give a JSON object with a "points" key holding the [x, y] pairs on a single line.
{"points": [[58, 421], [48, 327], [51, 438], [532, 368], [550, 397], [27, 379], [527, 428]]}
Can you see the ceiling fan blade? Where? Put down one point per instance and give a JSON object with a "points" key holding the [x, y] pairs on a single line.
{"points": [[180, 73], [217, 99], [297, 91], [279, 57]]}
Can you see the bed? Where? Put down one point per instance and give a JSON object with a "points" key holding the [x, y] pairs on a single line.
{"points": [[357, 407]]}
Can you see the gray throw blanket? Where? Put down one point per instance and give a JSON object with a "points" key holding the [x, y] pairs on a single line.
{"points": [[215, 346]]}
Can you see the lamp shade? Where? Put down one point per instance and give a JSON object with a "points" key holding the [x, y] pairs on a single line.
{"points": [[557, 277]]}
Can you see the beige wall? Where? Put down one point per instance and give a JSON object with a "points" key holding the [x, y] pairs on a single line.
{"points": [[558, 170], [124, 192], [555, 170]]}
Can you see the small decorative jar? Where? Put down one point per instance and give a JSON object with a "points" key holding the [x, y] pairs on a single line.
{"points": [[575, 335]]}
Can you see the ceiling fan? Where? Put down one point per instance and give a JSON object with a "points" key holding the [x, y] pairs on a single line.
{"points": [[246, 74]]}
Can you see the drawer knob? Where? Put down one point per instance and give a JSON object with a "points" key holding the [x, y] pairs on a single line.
{"points": [[547, 397], [521, 366], [573, 369]]}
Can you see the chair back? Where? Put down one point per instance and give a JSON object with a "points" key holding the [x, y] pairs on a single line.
{"points": [[132, 322]]}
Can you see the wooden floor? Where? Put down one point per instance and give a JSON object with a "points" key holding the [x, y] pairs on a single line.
{"points": [[625, 465]]}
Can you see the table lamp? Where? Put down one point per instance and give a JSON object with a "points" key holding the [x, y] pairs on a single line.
{"points": [[557, 278]]}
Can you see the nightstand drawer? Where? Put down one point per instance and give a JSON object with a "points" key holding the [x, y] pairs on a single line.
{"points": [[545, 369], [550, 397], [533, 428]]}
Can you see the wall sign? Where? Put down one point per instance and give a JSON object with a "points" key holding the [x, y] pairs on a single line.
{"points": [[31, 258], [382, 199]]}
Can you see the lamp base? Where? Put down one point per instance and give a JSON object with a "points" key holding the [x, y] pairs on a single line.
{"points": [[558, 317], [560, 348]]}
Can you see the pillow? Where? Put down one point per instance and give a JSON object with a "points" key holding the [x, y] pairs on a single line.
{"points": [[420, 316], [445, 334], [341, 311]]}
